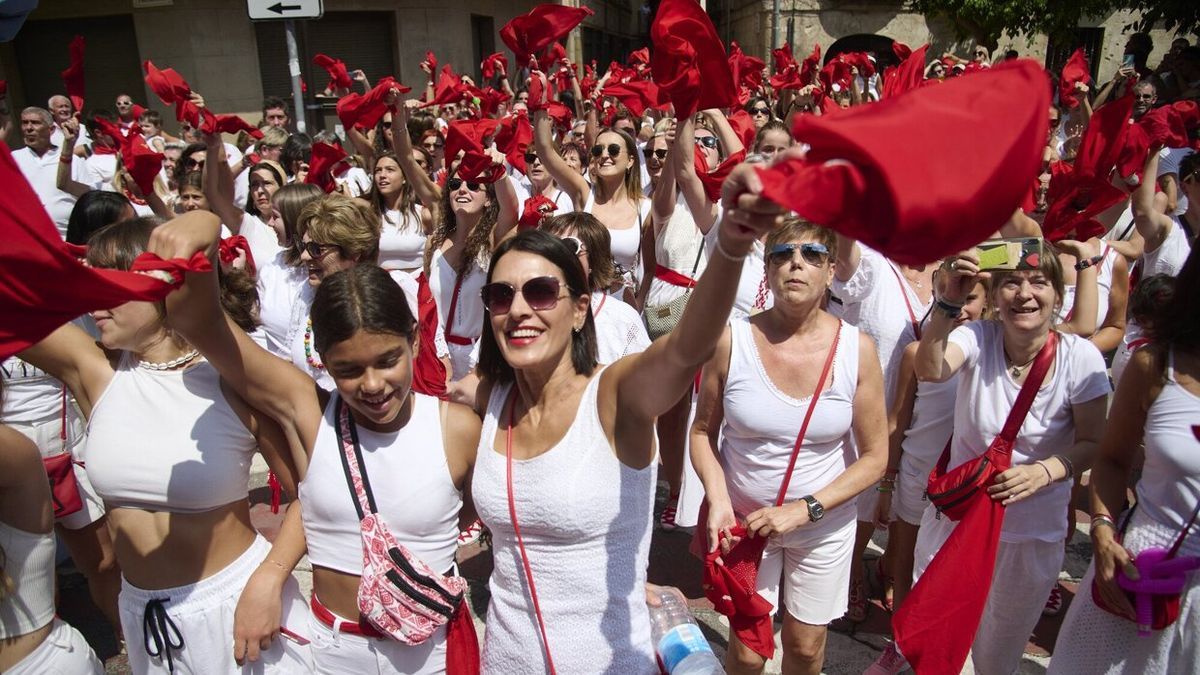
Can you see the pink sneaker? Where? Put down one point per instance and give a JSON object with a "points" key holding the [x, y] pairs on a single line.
{"points": [[890, 662], [666, 521]]}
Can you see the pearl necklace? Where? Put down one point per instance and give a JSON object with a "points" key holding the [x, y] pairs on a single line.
{"points": [[169, 365], [308, 350]]}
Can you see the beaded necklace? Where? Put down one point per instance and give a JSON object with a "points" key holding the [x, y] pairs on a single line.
{"points": [[308, 350]]}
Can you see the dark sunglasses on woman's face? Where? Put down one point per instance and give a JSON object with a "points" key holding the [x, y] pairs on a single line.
{"points": [[812, 253], [758, 110], [540, 293], [709, 142], [660, 153], [193, 163], [317, 251], [455, 183], [531, 157], [614, 150]]}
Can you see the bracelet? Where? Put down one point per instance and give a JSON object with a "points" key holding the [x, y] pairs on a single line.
{"points": [[66, 159], [276, 563], [1101, 519], [727, 255], [1049, 476], [1092, 261], [1066, 465], [884, 489], [949, 309]]}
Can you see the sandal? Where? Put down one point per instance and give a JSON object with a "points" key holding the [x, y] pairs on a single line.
{"points": [[1054, 603], [886, 585], [856, 610]]}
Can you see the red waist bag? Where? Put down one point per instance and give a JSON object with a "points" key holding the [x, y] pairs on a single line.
{"points": [[60, 470], [951, 490]]}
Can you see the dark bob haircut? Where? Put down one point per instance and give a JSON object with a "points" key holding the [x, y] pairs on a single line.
{"points": [[363, 298], [583, 343]]}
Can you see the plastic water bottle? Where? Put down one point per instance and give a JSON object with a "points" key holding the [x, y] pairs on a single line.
{"points": [[680, 644]]}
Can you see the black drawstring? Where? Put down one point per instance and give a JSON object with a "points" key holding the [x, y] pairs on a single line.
{"points": [[158, 626]]}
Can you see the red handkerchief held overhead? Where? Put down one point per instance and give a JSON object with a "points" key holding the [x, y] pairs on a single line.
{"points": [[365, 110], [339, 77], [228, 124], [491, 64], [906, 76], [689, 60], [528, 34], [637, 96], [72, 77], [142, 163], [911, 176], [321, 170], [42, 283], [1076, 70], [167, 84]]}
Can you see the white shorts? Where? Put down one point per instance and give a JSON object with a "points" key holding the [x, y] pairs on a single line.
{"points": [[814, 568], [1024, 574], [909, 501], [461, 361], [202, 615], [337, 653], [63, 652], [47, 437]]}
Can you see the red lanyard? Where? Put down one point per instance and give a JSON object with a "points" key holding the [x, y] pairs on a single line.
{"points": [[450, 337], [603, 299], [912, 316], [512, 515]]}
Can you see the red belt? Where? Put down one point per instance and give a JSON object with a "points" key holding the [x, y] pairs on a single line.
{"points": [[341, 625], [458, 340], [670, 276]]}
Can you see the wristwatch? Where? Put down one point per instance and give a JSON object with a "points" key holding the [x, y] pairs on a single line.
{"points": [[815, 510], [1089, 262]]}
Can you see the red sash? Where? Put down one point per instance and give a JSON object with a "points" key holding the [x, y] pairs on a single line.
{"points": [[451, 338], [936, 624], [670, 276], [429, 373]]}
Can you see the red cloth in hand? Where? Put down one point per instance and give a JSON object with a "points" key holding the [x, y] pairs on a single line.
{"points": [[689, 60], [429, 372], [869, 171], [906, 76], [490, 99], [539, 99], [712, 180], [478, 166], [449, 89], [743, 125], [730, 583], [639, 57], [168, 85], [110, 129], [142, 163], [1076, 70], [836, 72], [1168, 126], [365, 110], [228, 124], [431, 61], [530, 33], [513, 138], [72, 77], [860, 60], [936, 624], [782, 58], [42, 280], [228, 249], [747, 70], [638, 96], [466, 135], [551, 55], [535, 208], [492, 63], [320, 170], [339, 77], [901, 50]]}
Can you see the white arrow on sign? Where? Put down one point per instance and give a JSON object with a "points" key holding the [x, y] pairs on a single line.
{"points": [[273, 10]]}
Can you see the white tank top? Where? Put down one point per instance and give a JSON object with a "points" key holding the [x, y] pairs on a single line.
{"points": [[626, 242], [932, 422], [1169, 257], [676, 247], [1170, 484], [279, 288], [409, 478], [1104, 282], [401, 241], [585, 520], [167, 441], [467, 321], [29, 566], [761, 424]]}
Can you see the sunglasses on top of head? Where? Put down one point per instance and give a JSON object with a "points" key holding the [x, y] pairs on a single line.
{"points": [[614, 150], [709, 142], [455, 183], [812, 253], [540, 293]]}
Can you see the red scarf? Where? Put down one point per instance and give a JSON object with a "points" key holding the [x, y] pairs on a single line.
{"points": [[429, 373]]}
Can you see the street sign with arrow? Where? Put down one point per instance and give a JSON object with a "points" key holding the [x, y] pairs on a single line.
{"points": [[275, 10]]}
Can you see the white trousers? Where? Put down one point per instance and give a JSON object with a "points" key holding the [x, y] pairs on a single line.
{"points": [[63, 652]]}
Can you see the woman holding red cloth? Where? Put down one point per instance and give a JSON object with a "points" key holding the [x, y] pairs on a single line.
{"points": [[1058, 436], [756, 391]]}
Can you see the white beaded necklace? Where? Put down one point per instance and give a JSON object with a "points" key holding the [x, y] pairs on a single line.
{"points": [[169, 365]]}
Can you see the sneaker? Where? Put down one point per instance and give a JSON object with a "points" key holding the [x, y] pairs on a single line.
{"points": [[472, 534], [890, 662], [856, 610], [1054, 603], [666, 520]]}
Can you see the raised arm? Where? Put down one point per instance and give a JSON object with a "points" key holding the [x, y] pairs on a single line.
{"points": [[510, 209], [649, 383], [567, 179], [266, 382], [218, 184], [849, 255], [1152, 223], [729, 138], [427, 191], [937, 360], [1108, 336], [1082, 321], [683, 162], [65, 178], [71, 355], [662, 201]]}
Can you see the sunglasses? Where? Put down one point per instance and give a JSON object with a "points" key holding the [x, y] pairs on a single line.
{"points": [[540, 293], [575, 244], [760, 111], [709, 142], [812, 253], [386, 125], [531, 157], [455, 183], [189, 162], [614, 150], [316, 251], [660, 153], [1143, 97]]}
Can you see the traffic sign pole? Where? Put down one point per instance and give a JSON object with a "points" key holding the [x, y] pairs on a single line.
{"points": [[289, 31]]}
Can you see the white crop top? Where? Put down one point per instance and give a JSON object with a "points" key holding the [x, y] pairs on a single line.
{"points": [[1170, 483], [167, 441], [29, 565], [761, 423], [409, 478], [626, 242], [401, 241]]}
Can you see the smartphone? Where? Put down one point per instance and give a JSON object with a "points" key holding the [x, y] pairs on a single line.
{"points": [[1127, 62], [1019, 253]]}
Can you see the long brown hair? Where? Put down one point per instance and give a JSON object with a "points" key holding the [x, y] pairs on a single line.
{"points": [[633, 177], [408, 196], [479, 240]]}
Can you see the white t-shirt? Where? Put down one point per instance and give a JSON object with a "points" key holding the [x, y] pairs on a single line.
{"points": [[356, 180], [986, 394], [100, 172], [279, 288], [84, 139], [42, 174], [880, 291], [264, 243]]}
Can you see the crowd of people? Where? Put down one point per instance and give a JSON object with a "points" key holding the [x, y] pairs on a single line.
{"points": [[518, 305]]}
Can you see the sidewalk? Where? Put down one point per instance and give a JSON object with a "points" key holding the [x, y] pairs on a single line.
{"points": [[850, 648]]}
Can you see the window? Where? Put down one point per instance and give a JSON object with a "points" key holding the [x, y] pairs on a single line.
{"points": [[483, 42]]}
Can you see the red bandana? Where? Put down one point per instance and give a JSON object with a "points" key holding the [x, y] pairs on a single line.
{"points": [[339, 78], [1075, 71], [689, 60], [72, 77], [530, 33]]}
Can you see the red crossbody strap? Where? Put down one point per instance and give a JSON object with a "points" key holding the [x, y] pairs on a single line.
{"points": [[512, 515], [812, 405], [458, 279], [912, 316], [1029, 390]]}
